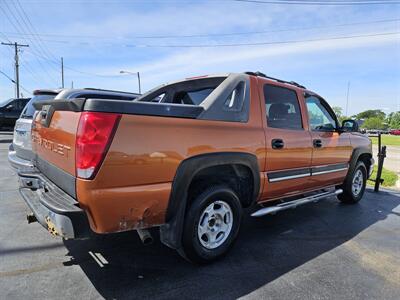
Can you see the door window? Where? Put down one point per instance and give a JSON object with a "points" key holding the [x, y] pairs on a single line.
{"points": [[282, 107], [320, 118], [14, 106]]}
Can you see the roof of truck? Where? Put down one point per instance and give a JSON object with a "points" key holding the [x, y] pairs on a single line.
{"points": [[259, 74]]}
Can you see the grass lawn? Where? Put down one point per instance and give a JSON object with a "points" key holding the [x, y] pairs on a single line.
{"points": [[388, 140], [389, 177]]}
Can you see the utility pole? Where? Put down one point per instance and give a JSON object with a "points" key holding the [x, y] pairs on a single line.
{"points": [[16, 45], [347, 100], [62, 72], [140, 87]]}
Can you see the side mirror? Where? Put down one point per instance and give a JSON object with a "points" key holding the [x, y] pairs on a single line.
{"points": [[349, 126]]}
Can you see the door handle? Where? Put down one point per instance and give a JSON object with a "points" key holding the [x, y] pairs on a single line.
{"points": [[317, 143], [277, 144]]}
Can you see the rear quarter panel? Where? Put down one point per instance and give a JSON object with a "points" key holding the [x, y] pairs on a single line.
{"points": [[132, 187]]}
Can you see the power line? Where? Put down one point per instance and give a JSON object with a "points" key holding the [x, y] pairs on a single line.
{"points": [[242, 44], [18, 26], [25, 64], [263, 43], [209, 34], [333, 3], [8, 77], [16, 47], [33, 30], [13, 81], [75, 70], [27, 67]]}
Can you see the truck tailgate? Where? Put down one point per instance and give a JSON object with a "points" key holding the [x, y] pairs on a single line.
{"points": [[54, 148]]}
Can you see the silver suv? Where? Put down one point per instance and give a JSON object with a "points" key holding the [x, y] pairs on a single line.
{"points": [[20, 152]]}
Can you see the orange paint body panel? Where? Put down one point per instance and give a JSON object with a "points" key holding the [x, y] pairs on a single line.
{"points": [[132, 187]]}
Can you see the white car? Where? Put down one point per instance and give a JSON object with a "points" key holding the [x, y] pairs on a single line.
{"points": [[20, 153]]}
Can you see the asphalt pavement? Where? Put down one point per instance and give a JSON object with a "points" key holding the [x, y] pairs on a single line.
{"points": [[325, 250]]}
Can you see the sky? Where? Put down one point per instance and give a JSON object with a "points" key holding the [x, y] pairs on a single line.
{"points": [[327, 48]]}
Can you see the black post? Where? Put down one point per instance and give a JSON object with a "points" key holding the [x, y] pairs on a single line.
{"points": [[381, 159]]}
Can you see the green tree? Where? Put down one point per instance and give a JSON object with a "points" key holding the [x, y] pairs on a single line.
{"points": [[338, 111], [374, 123], [393, 120], [371, 113]]}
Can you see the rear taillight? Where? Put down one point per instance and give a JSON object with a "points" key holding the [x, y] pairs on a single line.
{"points": [[93, 138]]}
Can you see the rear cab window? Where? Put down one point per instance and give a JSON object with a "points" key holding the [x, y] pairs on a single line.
{"points": [[190, 92], [282, 108], [29, 110], [219, 97]]}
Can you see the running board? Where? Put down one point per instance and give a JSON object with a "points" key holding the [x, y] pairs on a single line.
{"points": [[293, 204]]}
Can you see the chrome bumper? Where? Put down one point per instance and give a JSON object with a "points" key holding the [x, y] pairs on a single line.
{"points": [[18, 163], [53, 208]]}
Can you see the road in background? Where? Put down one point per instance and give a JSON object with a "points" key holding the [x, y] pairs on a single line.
{"points": [[392, 160]]}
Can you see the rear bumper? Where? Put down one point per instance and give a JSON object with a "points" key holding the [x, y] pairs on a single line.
{"points": [[17, 162], [55, 210]]}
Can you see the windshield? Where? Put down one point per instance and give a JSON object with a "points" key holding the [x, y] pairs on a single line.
{"points": [[29, 109], [5, 102]]}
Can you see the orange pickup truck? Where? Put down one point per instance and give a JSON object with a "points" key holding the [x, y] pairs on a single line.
{"points": [[190, 157]]}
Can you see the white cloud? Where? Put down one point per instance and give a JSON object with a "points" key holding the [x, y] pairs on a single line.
{"points": [[196, 60]]}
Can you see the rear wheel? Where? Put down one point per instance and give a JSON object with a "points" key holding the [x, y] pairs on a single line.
{"points": [[211, 224], [354, 184]]}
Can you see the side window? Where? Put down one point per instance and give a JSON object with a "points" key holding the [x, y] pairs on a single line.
{"points": [[319, 117], [15, 105], [192, 97], [282, 107], [160, 98], [235, 100], [21, 104]]}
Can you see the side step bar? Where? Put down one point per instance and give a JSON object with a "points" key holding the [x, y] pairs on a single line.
{"points": [[293, 204]]}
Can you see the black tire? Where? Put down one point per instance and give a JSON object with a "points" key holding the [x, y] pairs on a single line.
{"points": [[349, 195], [193, 249]]}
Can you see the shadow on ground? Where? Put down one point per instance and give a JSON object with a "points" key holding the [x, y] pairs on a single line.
{"points": [[266, 249]]}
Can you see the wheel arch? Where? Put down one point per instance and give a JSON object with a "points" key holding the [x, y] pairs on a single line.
{"points": [[171, 231], [360, 153]]}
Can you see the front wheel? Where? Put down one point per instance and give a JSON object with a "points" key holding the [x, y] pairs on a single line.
{"points": [[211, 224], [354, 184]]}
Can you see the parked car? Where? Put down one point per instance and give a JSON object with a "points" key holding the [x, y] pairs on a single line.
{"points": [[395, 131], [20, 153], [10, 110], [190, 157], [384, 131]]}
